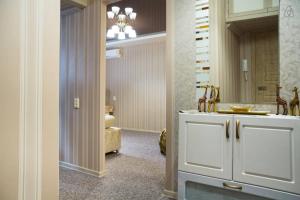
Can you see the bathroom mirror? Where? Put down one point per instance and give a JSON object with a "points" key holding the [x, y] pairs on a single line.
{"points": [[239, 51]]}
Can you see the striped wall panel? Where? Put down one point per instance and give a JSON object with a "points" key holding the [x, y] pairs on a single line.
{"points": [[202, 45], [137, 80], [79, 77]]}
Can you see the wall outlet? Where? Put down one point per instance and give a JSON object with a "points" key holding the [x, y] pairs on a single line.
{"points": [[76, 103]]}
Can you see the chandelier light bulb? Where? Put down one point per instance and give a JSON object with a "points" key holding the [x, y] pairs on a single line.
{"points": [[132, 16], [115, 9], [128, 29], [121, 36], [132, 34], [110, 33], [115, 29], [128, 10], [110, 14]]}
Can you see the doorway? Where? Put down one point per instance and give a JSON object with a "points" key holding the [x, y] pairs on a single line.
{"points": [[82, 148]]}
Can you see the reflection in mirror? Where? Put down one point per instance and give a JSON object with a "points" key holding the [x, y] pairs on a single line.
{"points": [[246, 48]]}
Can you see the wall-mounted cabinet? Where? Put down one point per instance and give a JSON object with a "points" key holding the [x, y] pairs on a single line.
{"points": [[237, 10]]}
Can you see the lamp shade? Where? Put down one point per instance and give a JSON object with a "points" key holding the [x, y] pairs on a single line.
{"points": [[121, 36], [115, 29], [110, 33], [128, 29], [122, 17], [132, 16], [115, 9], [128, 11], [132, 34], [110, 14]]}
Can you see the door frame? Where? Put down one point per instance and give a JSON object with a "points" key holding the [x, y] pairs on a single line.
{"points": [[171, 163], [39, 30]]}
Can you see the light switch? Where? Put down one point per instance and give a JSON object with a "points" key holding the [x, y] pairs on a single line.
{"points": [[244, 65], [114, 98], [76, 103]]}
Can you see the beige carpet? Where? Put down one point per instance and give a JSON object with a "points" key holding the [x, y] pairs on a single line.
{"points": [[137, 173]]}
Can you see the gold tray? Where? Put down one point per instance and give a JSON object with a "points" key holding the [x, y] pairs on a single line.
{"points": [[244, 112], [241, 108]]}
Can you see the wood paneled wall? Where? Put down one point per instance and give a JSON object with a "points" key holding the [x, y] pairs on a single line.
{"points": [[79, 78], [138, 82], [261, 51], [230, 69], [224, 54]]}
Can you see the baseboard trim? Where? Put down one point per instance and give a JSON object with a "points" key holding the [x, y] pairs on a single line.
{"points": [[102, 174], [170, 194], [81, 169], [139, 130]]}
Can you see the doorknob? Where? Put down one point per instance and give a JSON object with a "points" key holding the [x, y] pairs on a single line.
{"points": [[237, 130], [227, 128]]}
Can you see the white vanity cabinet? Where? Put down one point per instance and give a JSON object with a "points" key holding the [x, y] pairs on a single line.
{"points": [[259, 155]]}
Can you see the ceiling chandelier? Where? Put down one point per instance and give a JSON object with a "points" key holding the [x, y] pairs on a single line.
{"points": [[122, 23]]}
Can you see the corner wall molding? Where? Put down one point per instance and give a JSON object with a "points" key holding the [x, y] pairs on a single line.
{"points": [[31, 102]]}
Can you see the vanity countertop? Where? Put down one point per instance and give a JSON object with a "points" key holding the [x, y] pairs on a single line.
{"points": [[196, 112]]}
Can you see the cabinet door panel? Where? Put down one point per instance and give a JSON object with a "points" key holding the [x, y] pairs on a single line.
{"points": [[237, 10], [204, 152], [239, 6], [267, 153], [203, 145]]}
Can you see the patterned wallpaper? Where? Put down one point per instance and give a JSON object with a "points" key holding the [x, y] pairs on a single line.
{"points": [[184, 56], [79, 77], [289, 30], [184, 69], [137, 80]]}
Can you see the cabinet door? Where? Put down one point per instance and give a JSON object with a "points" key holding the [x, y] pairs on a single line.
{"points": [[267, 152], [242, 6], [250, 9], [205, 144]]}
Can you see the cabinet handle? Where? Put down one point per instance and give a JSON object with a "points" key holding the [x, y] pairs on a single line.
{"points": [[232, 187], [227, 128], [237, 130]]}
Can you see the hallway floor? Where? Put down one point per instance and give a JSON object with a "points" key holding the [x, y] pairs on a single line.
{"points": [[137, 173]]}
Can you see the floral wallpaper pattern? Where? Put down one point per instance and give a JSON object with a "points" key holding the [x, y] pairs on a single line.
{"points": [[289, 31]]}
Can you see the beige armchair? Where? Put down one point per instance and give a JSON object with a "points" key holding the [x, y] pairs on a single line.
{"points": [[112, 135]]}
